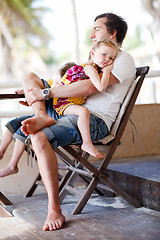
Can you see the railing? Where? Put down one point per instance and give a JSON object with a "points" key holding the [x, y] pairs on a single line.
{"points": [[11, 108], [150, 91]]}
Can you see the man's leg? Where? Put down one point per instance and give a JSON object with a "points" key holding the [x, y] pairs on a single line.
{"points": [[41, 118], [66, 131], [49, 171]]}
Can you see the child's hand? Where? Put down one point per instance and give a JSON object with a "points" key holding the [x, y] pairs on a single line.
{"points": [[107, 68]]}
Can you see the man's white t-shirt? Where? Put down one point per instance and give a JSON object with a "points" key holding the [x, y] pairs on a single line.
{"points": [[106, 104]]}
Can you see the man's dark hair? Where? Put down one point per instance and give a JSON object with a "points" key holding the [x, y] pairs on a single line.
{"points": [[115, 22]]}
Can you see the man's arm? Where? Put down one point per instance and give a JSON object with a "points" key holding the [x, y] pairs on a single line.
{"points": [[77, 89], [112, 80]]}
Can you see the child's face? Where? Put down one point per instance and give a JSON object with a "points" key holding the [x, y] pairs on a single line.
{"points": [[103, 56]]}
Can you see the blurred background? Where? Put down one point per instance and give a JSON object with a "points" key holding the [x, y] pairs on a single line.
{"points": [[41, 35]]}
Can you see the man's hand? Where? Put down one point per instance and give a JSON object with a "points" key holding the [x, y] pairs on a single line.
{"points": [[33, 95], [20, 91]]}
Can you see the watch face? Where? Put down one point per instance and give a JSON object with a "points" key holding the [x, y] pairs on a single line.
{"points": [[45, 91]]}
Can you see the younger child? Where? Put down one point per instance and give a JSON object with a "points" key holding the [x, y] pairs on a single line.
{"points": [[12, 131]]}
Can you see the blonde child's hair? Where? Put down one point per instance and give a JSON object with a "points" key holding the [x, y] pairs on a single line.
{"points": [[107, 43]]}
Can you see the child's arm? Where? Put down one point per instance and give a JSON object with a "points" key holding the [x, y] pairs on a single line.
{"points": [[99, 83]]}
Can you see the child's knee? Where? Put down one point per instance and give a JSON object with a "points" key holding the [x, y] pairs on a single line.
{"points": [[85, 111]]}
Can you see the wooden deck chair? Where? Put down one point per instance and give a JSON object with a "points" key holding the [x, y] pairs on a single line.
{"points": [[97, 174]]}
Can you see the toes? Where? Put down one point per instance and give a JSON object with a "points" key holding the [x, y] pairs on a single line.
{"points": [[50, 226], [99, 155], [24, 130], [57, 224], [54, 226], [54, 222], [45, 227]]}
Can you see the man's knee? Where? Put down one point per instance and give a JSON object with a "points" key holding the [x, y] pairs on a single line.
{"points": [[39, 140]]}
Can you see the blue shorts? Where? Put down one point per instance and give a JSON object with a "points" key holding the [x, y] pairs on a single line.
{"points": [[14, 126], [65, 131]]}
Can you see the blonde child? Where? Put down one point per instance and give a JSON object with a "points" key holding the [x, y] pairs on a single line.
{"points": [[97, 69]]}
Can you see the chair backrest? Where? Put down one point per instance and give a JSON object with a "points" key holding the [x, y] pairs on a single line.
{"points": [[140, 75]]}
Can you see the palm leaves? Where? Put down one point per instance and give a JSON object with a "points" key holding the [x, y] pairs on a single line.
{"points": [[20, 28]]}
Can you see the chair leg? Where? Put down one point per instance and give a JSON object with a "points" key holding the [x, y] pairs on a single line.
{"points": [[34, 186], [97, 189], [64, 179], [4, 200], [119, 191], [64, 190], [90, 189]]}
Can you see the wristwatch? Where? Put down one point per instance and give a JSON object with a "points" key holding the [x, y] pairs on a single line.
{"points": [[46, 93]]}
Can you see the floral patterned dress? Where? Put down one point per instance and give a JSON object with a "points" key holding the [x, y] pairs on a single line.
{"points": [[73, 74]]}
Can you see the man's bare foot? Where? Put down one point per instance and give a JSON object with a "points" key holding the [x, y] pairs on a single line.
{"points": [[35, 123], [90, 148], [54, 221], [8, 170]]}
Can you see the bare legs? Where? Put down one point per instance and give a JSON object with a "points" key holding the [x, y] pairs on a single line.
{"points": [[6, 140], [49, 171], [83, 125], [41, 118], [19, 148]]}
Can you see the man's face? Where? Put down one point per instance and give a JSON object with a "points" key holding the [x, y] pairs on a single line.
{"points": [[99, 31]]}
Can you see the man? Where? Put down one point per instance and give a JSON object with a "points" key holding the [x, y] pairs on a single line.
{"points": [[103, 106]]}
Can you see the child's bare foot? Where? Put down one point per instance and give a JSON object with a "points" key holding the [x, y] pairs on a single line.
{"points": [[34, 124], [8, 170], [54, 221], [90, 148]]}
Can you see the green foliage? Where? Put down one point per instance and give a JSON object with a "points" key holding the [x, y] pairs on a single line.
{"points": [[23, 18], [22, 21], [88, 41], [135, 40]]}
